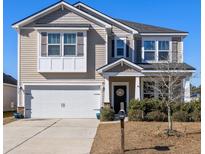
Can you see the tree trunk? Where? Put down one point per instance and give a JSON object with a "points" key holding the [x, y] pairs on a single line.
{"points": [[169, 119]]}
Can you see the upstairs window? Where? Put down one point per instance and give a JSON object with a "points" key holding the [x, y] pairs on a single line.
{"points": [[156, 50], [54, 44], [163, 49], [149, 50], [120, 48], [70, 44]]}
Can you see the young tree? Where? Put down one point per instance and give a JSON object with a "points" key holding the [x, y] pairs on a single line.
{"points": [[169, 85]]}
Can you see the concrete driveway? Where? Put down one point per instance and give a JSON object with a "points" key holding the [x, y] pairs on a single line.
{"points": [[49, 136]]}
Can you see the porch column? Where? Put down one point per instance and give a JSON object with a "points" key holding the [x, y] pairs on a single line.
{"points": [[106, 90], [137, 88], [186, 85]]}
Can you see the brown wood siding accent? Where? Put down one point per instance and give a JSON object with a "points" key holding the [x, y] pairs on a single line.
{"points": [[176, 48], [130, 80], [44, 38], [80, 45]]}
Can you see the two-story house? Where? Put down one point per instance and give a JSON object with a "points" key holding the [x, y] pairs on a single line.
{"points": [[72, 59]]}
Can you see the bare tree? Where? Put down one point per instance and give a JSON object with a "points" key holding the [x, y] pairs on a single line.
{"points": [[169, 79]]}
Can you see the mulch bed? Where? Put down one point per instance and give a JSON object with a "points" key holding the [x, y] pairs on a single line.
{"points": [[148, 138]]}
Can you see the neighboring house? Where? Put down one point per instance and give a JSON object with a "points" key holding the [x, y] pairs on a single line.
{"points": [[195, 97], [72, 59], [9, 93]]}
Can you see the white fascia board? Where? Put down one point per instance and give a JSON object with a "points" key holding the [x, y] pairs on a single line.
{"points": [[163, 34], [107, 17], [55, 83], [118, 62], [123, 74], [168, 71], [67, 5], [56, 28]]}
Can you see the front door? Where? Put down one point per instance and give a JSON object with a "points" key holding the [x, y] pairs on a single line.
{"points": [[120, 95]]}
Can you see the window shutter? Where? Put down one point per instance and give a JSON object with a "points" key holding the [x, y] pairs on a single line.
{"points": [[113, 48], [127, 48], [80, 44], [139, 51], [44, 41]]}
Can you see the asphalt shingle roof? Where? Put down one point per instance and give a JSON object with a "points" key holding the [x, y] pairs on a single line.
{"points": [[145, 28], [9, 79], [165, 66]]}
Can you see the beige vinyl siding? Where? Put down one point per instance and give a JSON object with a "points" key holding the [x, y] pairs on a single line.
{"points": [[63, 17], [130, 80], [28, 58]]}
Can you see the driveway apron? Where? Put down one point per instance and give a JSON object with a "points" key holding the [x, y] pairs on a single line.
{"points": [[50, 136]]}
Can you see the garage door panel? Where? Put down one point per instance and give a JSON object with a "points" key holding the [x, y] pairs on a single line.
{"points": [[63, 102]]}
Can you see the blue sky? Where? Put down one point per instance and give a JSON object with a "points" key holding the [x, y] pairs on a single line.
{"points": [[177, 14]]}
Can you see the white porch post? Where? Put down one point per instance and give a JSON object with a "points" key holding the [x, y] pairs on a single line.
{"points": [[137, 88], [186, 85], [106, 90]]}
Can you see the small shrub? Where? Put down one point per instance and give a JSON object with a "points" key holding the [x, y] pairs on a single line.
{"points": [[156, 116], [195, 116], [134, 104], [181, 116], [107, 114], [135, 115]]}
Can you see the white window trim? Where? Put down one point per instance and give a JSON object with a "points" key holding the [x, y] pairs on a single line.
{"points": [[63, 44], [157, 39], [125, 41], [60, 54]]}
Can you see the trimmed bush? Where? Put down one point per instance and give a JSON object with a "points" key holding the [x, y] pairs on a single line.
{"points": [[135, 115], [195, 116], [156, 110], [181, 116], [107, 114], [156, 116]]}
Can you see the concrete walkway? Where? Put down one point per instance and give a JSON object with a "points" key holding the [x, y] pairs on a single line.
{"points": [[49, 136]]}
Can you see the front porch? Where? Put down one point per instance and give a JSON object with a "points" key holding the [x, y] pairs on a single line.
{"points": [[124, 81]]}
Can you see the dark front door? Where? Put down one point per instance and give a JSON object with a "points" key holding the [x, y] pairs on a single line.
{"points": [[120, 95]]}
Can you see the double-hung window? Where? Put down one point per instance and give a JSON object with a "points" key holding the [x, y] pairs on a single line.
{"points": [[156, 50], [163, 49], [149, 50], [148, 89], [70, 44], [54, 44], [120, 47]]}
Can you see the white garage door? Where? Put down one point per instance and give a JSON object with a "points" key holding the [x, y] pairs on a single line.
{"points": [[62, 101]]}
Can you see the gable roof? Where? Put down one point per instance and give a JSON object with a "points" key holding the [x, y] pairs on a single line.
{"points": [[9, 79], [119, 61], [105, 16], [52, 7], [139, 27]]}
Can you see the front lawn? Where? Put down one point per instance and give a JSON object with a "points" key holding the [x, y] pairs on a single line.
{"points": [[147, 137]]}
